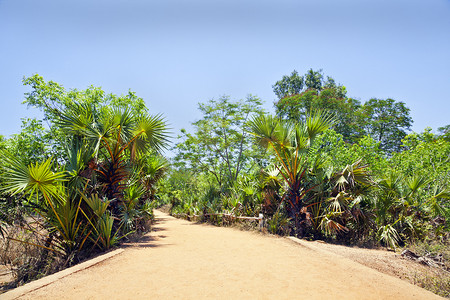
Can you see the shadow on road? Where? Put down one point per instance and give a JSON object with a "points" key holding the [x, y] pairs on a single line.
{"points": [[150, 240], [156, 229]]}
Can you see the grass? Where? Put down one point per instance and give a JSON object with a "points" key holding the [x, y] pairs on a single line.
{"points": [[436, 280], [25, 260]]}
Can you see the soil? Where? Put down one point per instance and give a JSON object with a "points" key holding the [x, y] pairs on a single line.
{"points": [[185, 260], [388, 262], [5, 274]]}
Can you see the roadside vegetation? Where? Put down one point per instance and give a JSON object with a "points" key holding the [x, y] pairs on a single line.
{"points": [[323, 167], [81, 186]]}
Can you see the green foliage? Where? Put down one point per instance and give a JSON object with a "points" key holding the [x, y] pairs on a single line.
{"points": [[104, 231], [444, 132], [356, 182], [425, 153], [220, 144], [35, 181], [290, 144], [77, 108], [289, 85], [386, 121], [278, 223], [32, 143], [335, 153], [154, 169], [325, 167], [102, 173], [52, 98], [97, 205], [40, 185], [295, 103], [314, 79], [429, 155]]}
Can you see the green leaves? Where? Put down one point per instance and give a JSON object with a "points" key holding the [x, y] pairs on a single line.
{"points": [[299, 98], [221, 145], [151, 133], [318, 122], [269, 131], [95, 139], [386, 121], [43, 186], [289, 144], [288, 85], [438, 202], [97, 205], [288, 140], [77, 119], [351, 175], [104, 231], [36, 179]]}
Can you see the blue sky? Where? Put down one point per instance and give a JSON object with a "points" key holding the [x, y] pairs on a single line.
{"points": [[176, 53]]}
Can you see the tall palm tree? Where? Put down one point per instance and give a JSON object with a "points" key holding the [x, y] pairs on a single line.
{"points": [[290, 143]]}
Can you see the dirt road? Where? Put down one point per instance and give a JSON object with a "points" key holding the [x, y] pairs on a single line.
{"points": [[183, 260]]}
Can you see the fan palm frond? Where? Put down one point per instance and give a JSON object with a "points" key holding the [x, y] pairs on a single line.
{"points": [[318, 122], [416, 182], [152, 133], [34, 180], [356, 173]]}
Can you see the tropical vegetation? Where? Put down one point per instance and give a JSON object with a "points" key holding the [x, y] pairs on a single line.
{"points": [[324, 166], [84, 183]]}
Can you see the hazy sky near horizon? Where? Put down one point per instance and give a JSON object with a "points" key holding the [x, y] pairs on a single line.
{"points": [[176, 53]]}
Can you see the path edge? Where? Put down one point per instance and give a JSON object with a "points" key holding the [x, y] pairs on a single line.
{"points": [[311, 246], [44, 281]]}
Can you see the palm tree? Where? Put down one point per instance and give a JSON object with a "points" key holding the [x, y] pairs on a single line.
{"points": [[118, 138], [403, 203], [153, 167], [103, 144], [337, 206], [290, 143]]}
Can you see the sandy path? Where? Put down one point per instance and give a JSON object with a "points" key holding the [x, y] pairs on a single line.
{"points": [[184, 260]]}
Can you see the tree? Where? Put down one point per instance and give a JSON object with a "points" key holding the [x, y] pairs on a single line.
{"points": [[3, 143], [290, 144], [289, 85], [116, 138], [220, 144], [53, 99], [96, 137], [424, 153], [31, 144], [333, 100], [295, 107], [93, 184], [314, 79], [386, 121], [444, 132], [337, 154], [295, 84], [299, 96]]}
